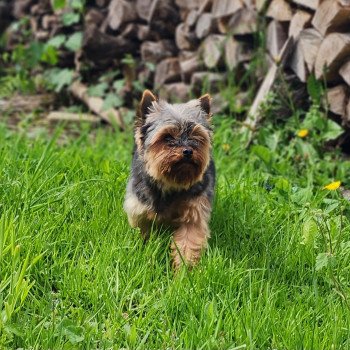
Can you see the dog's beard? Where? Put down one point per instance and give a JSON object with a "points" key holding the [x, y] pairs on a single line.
{"points": [[185, 172], [172, 170]]}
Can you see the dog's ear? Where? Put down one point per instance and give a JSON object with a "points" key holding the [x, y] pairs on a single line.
{"points": [[205, 102], [146, 102]]}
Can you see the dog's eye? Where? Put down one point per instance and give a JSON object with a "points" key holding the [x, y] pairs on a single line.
{"points": [[168, 138]]}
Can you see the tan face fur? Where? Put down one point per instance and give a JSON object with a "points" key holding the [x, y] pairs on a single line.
{"points": [[166, 133]]}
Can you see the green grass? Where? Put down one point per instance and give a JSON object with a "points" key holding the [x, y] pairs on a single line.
{"points": [[74, 275]]}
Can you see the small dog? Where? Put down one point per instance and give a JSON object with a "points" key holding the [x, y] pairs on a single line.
{"points": [[173, 174]]}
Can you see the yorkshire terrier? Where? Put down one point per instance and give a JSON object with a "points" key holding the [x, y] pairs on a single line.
{"points": [[173, 174]]}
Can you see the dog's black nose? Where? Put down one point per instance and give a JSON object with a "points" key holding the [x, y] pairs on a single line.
{"points": [[187, 152]]}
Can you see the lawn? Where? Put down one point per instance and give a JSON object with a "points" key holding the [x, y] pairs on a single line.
{"points": [[74, 275]]}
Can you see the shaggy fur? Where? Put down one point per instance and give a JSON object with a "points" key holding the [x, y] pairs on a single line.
{"points": [[173, 175]]}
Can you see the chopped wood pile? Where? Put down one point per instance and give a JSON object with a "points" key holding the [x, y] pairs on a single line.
{"points": [[321, 31], [180, 47]]}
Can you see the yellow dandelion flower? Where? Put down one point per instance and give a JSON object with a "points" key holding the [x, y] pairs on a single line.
{"points": [[303, 133], [226, 147], [332, 186]]}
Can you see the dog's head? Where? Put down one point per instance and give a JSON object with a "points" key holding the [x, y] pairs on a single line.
{"points": [[174, 140]]}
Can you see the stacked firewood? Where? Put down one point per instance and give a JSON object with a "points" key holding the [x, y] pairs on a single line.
{"points": [[180, 47], [321, 33]]}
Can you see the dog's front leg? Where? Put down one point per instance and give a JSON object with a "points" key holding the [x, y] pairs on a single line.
{"points": [[188, 242], [192, 233]]}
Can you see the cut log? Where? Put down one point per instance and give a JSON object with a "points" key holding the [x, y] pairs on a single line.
{"points": [[300, 20], [186, 55], [311, 4], [176, 92], [92, 16], [167, 71], [276, 37], [205, 25], [188, 4], [280, 10], [50, 21], [260, 5], [143, 8], [344, 72], [331, 16], [163, 10], [303, 59], [310, 41], [236, 52], [337, 98], [297, 62], [334, 49], [42, 35], [101, 3], [40, 8], [145, 33], [95, 104], [28, 103], [205, 6], [185, 40], [223, 8], [212, 50], [120, 12], [164, 17], [154, 52], [102, 48], [191, 19], [190, 66], [242, 22], [20, 8], [210, 82], [131, 31], [57, 116]]}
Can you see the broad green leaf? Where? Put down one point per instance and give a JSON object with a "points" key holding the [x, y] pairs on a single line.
{"points": [[263, 153], [74, 333], [302, 195], [309, 232], [322, 260], [314, 119], [34, 53], [61, 77], [331, 204], [118, 84], [333, 130], [70, 18], [112, 100], [50, 55], [57, 41], [58, 4], [98, 90], [74, 41], [306, 150], [78, 4], [283, 184], [272, 140]]}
